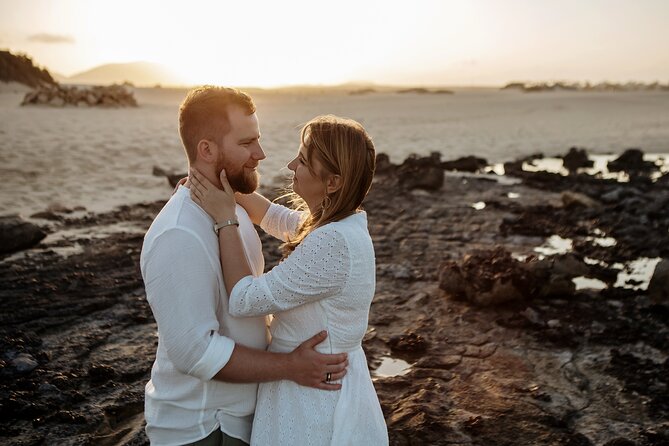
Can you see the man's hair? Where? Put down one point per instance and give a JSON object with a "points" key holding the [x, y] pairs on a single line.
{"points": [[203, 114]]}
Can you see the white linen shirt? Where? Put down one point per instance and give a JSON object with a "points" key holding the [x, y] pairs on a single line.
{"points": [[180, 264]]}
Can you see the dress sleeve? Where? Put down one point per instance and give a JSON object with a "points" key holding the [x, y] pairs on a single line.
{"points": [[318, 268], [183, 291], [282, 222]]}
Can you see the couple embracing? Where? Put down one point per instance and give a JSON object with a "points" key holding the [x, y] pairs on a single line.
{"points": [[224, 374]]}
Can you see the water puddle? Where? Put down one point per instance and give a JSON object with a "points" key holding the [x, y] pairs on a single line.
{"points": [[599, 168], [590, 261], [555, 245], [583, 283], [478, 205], [65, 242], [392, 367], [636, 274], [95, 232], [604, 242], [488, 174], [67, 251], [602, 239], [551, 165], [520, 257], [497, 169]]}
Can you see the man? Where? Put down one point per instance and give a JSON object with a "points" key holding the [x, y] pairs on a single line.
{"points": [[204, 379]]}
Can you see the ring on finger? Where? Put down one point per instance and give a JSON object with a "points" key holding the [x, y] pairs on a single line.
{"points": [[328, 377]]}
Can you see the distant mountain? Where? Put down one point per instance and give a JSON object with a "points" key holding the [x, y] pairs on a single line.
{"points": [[140, 74], [60, 78], [20, 68]]}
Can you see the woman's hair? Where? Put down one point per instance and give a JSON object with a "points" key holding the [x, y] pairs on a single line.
{"points": [[343, 147]]}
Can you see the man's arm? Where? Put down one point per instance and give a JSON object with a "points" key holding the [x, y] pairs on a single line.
{"points": [[182, 290], [304, 365]]}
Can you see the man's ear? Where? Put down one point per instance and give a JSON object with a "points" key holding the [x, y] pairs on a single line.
{"points": [[334, 183], [207, 151]]}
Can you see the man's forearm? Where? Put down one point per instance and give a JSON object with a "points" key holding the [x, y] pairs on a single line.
{"points": [[248, 365], [304, 365]]}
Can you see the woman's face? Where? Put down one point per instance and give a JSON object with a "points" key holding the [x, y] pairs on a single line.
{"points": [[309, 186]]}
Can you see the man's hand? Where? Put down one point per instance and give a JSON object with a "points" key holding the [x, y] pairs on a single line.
{"points": [[310, 368]]}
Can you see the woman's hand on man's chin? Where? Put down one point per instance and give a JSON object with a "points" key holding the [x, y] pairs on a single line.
{"points": [[218, 203]]}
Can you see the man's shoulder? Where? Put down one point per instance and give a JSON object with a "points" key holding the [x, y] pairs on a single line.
{"points": [[178, 219]]}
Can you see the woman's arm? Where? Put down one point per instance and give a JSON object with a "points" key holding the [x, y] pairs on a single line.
{"points": [[220, 205], [255, 204], [319, 268], [282, 222]]}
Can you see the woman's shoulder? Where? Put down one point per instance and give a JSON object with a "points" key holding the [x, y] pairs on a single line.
{"points": [[342, 229], [353, 222]]}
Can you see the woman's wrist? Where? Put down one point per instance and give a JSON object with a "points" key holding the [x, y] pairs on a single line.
{"points": [[223, 216]]}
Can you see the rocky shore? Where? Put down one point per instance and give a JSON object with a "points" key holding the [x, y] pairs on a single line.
{"points": [[536, 87], [96, 96], [509, 310]]}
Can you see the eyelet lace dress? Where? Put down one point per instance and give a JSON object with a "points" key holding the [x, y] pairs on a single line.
{"points": [[327, 283]]}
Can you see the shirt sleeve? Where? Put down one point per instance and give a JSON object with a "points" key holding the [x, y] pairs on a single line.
{"points": [[318, 268], [282, 222], [183, 291]]}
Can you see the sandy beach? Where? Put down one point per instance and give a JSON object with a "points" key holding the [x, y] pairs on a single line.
{"points": [[573, 351], [100, 158]]}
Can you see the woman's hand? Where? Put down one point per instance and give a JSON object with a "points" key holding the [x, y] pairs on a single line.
{"points": [[219, 204], [182, 182]]}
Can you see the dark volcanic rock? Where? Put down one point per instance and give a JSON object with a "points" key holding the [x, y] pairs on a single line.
{"points": [[172, 178], [409, 343], [383, 163], [99, 96], [17, 234], [526, 372], [487, 278], [645, 377], [575, 159], [572, 200], [631, 161], [99, 373], [465, 164], [658, 289], [494, 277], [421, 172]]}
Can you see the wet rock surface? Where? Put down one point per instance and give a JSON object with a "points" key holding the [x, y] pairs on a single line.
{"points": [[17, 234], [421, 172], [575, 159], [560, 365]]}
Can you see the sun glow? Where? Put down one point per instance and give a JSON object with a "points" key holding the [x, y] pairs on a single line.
{"points": [[241, 43], [271, 43]]}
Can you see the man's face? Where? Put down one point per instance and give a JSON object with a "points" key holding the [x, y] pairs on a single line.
{"points": [[241, 151]]}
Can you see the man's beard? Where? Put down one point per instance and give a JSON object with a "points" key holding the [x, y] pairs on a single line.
{"points": [[242, 182]]}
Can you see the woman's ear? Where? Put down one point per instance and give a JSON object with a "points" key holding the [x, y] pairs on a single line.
{"points": [[334, 183], [207, 151]]}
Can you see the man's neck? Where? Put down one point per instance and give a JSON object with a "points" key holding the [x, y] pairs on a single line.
{"points": [[208, 171]]}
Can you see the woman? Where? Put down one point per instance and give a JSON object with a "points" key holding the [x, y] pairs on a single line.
{"points": [[326, 282]]}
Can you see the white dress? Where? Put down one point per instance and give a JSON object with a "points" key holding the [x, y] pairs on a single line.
{"points": [[327, 283]]}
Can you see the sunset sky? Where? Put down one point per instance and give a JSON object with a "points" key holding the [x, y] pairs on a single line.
{"points": [[282, 42]]}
